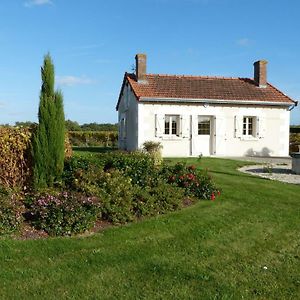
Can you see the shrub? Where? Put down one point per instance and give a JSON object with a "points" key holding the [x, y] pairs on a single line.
{"points": [[157, 200], [64, 213], [76, 165], [140, 167], [15, 158], [114, 189], [195, 182], [10, 213], [167, 197], [154, 149]]}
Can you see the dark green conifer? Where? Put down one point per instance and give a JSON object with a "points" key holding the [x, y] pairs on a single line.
{"points": [[48, 141]]}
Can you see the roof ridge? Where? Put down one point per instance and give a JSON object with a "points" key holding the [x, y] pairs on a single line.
{"points": [[195, 76]]}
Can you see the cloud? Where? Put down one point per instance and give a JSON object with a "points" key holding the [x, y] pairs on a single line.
{"points": [[244, 42], [31, 3], [2, 104], [73, 80]]}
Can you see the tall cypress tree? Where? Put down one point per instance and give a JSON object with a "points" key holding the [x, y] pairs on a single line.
{"points": [[48, 141]]}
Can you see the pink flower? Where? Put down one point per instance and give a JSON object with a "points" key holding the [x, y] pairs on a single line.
{"points": [[212, 197]]}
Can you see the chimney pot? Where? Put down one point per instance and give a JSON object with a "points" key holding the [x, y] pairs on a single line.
{"points": [[260, 73], [140, 67]]}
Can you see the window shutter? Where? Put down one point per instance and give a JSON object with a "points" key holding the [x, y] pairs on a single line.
{"points": [[184, 126], [159, 125], [257, 127], [238, 126], [260, 127]]}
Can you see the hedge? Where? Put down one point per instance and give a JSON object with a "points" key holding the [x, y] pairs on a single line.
{"points": [[14, 156]]}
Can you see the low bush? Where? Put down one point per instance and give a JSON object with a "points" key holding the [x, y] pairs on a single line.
{"points": [[121, 200], [154, 149], [76, 165], [114, 189], [140, 167], [157, 200], [10, 213], [64, 213], [195, 182]]}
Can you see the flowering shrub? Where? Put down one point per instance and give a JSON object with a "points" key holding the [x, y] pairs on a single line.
{"points": [[10, 213], [140, 167], [195, 182], [64, 213]]}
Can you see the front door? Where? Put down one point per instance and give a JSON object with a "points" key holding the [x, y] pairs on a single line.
{"points": [[201, 135]]}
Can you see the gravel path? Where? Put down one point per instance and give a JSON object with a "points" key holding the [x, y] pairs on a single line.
{"points": [[273, 171]]}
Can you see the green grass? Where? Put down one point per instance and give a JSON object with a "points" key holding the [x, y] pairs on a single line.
{"points": [[212, 250]]}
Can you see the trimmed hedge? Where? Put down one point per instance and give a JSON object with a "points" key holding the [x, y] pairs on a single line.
{"points": [[16, 158], [15, 166]]}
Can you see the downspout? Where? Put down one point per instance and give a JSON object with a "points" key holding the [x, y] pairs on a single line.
{"points": [[293, 106]]}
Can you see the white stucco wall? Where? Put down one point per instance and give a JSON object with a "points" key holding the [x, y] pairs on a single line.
{"points": [[273, 139], [128, 109]]}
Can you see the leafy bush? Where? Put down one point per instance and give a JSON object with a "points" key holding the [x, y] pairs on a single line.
{"points": [[10, 213], [15, 158], [154, 149], [157, 200], [64, 213], [76, 165], [114, 189], [195, 182], [123, 201], [140, 167], [294, 142]]}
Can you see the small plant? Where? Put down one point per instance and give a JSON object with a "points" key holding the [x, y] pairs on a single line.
{"points": [[154, 149], [268, 169], [10, 213], [64, 213]]}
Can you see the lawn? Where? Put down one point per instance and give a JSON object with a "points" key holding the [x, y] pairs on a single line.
{"points": [[245, 245]]}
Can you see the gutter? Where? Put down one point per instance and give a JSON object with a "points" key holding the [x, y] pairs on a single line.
{"points": [[215, 101], [293, 106]]}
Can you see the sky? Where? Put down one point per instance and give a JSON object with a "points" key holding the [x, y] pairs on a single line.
{"points": [[93, 42]]}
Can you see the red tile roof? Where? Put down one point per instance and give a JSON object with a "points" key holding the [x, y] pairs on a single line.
{"points": [[203, 87]]}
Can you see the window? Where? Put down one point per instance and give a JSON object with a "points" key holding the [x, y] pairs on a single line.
{"points": [[203, 125], [248, 126], [123, 128], [171, 125]]}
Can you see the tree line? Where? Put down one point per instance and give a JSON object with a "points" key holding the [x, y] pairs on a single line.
{"points": [[74, 126]]}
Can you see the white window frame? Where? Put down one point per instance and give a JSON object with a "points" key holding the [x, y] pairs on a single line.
{"points": [[204, 118], [168, 118], [249, 126]]}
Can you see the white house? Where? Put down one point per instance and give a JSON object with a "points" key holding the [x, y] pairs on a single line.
{"points": [[196, 115]]}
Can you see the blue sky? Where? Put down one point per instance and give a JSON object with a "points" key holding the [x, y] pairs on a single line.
{"points": [[93, 42]]}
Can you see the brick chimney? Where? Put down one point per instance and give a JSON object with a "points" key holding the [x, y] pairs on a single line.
{"points": [[260, 73], [140, 67]]}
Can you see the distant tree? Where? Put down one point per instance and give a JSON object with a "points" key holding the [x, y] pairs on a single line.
{"points": [[24, 124], [72, 125], [99, 127], [48, 141]]}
